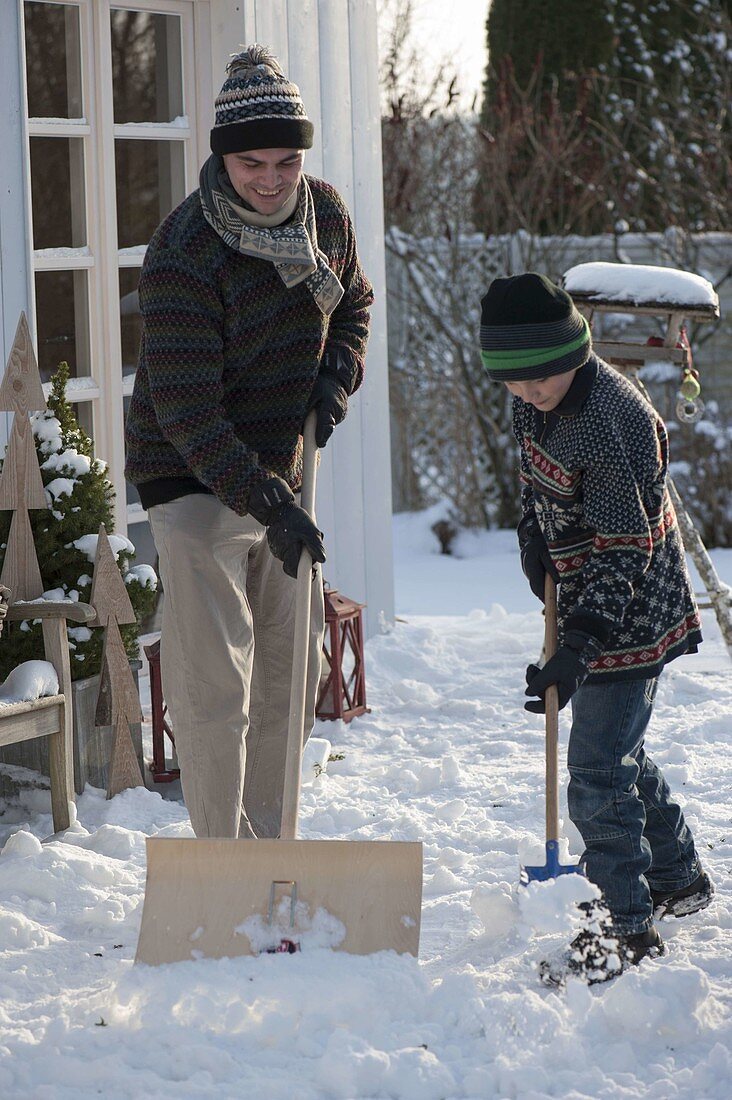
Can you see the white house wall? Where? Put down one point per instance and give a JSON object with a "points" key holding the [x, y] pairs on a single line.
{"points": [[329, 48]]}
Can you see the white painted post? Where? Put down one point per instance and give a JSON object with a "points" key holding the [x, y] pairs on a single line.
{"points": [[16, 288], [368, 214]]}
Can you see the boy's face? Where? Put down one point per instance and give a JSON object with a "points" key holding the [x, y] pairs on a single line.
{"points": [[543, 393]]}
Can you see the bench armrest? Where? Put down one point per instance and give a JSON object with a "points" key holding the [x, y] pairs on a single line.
{"points": [[47, 609]]}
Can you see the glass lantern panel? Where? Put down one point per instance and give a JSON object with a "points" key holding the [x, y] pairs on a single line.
{"points": [[146, 66], [53, 60], [150, 183], [62, 322], [57, 191]]}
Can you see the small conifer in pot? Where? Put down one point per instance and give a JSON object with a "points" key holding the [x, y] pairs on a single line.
{"points": [[65, 535]]}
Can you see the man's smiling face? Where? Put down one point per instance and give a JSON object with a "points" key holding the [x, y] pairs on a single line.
{"points": [[265, 178]]}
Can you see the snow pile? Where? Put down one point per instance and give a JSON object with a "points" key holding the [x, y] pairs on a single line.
{"points": [[30, 681], [87, 544], [70, 460], [143, 574], [640, 283], [447, 756]]}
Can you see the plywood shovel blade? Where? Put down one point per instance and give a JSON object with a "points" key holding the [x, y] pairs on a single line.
{"points": [[199, 892]]}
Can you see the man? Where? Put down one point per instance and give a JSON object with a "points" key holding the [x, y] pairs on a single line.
{"points": [[255, 310]]}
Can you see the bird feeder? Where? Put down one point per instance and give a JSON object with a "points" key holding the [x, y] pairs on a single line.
{"points": [[342, 692]]}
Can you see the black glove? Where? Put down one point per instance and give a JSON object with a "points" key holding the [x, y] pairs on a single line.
{"points": [[330, 393], [289, 527], [567, 669], [536, 561], [291, 532]]}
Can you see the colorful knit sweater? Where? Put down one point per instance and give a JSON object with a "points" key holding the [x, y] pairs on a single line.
{"points": [[594, 473], [229, 356]]}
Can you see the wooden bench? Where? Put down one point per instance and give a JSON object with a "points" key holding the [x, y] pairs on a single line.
{"points": [[50, 716]]}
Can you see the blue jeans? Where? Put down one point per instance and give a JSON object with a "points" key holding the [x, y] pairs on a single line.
{"points": [[635, 836]]}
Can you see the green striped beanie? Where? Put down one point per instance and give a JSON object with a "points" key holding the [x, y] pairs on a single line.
{"points": [[530, 328]]}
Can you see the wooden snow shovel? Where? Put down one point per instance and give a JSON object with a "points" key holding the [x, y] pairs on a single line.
{"points": [[552, 868], [217, 898]]}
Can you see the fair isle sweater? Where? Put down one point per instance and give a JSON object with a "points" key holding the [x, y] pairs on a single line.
{"points": [[594, 473], [229, 356]]}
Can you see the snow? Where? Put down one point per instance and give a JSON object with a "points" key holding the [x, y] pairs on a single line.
{"points": [[446, 755], [30, 681], [641, 283], [69, 459], [144, 574], [87, 545], [60, 487]]}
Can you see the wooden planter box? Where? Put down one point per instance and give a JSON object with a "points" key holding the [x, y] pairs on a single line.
{"points": [[92, 744]]}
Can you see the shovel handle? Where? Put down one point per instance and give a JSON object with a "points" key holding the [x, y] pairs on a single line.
{"points": [[551, 705], [301, 641]]}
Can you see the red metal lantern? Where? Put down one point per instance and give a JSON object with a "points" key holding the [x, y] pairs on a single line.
{"points": [[342, 692], [160, 771]]}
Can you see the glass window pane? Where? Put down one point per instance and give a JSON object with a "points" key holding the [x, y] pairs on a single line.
{"points": [[133, 497], [84, 413], [150, 183], [57, 189], [130, 318], [146, 66], [52, 60], [62, 322]]}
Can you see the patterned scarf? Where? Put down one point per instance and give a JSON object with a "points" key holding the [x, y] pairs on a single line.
{"points": [[292, 247]]}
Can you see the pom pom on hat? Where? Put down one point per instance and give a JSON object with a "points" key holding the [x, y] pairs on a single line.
{"points": [[530, 328], [258, 107]]}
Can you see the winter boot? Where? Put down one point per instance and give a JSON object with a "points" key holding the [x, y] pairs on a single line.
{"points": [[598, 953], [680, 903]]}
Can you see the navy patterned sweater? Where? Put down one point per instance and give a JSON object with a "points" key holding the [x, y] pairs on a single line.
{"points": [[229, 356], [593, 473]]}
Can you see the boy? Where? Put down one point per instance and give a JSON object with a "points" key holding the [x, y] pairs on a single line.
{"points": [[597, 516]]}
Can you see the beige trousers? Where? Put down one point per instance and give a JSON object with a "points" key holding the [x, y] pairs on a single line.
{"points": [[226, 659]]}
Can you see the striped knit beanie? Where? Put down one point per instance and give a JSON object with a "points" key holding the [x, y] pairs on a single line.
{"points": [[258, 107], [530, 328]]}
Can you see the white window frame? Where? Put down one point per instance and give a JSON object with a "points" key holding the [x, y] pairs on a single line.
{"points": [[105, 387]]}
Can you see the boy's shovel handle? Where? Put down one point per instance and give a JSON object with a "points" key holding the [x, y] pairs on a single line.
{"points": [[551, 705]]}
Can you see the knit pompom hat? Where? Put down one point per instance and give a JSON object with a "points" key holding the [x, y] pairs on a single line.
{"points": [[258, 107], [530, 328]]}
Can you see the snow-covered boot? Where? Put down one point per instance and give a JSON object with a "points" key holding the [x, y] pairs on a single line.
{"points": [[680, 903], [598, 953]]}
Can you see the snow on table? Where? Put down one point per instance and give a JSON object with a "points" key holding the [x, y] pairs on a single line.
{"points": [[641, 284]]}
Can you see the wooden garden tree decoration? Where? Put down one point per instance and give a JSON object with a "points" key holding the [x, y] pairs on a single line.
{"points": [[21, 485], [118, 703]]}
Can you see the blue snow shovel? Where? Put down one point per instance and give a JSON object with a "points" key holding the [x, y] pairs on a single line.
{"points": [[552, 868]]}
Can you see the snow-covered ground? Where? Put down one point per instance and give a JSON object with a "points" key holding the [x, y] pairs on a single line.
{"points": [[447, 755]]}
